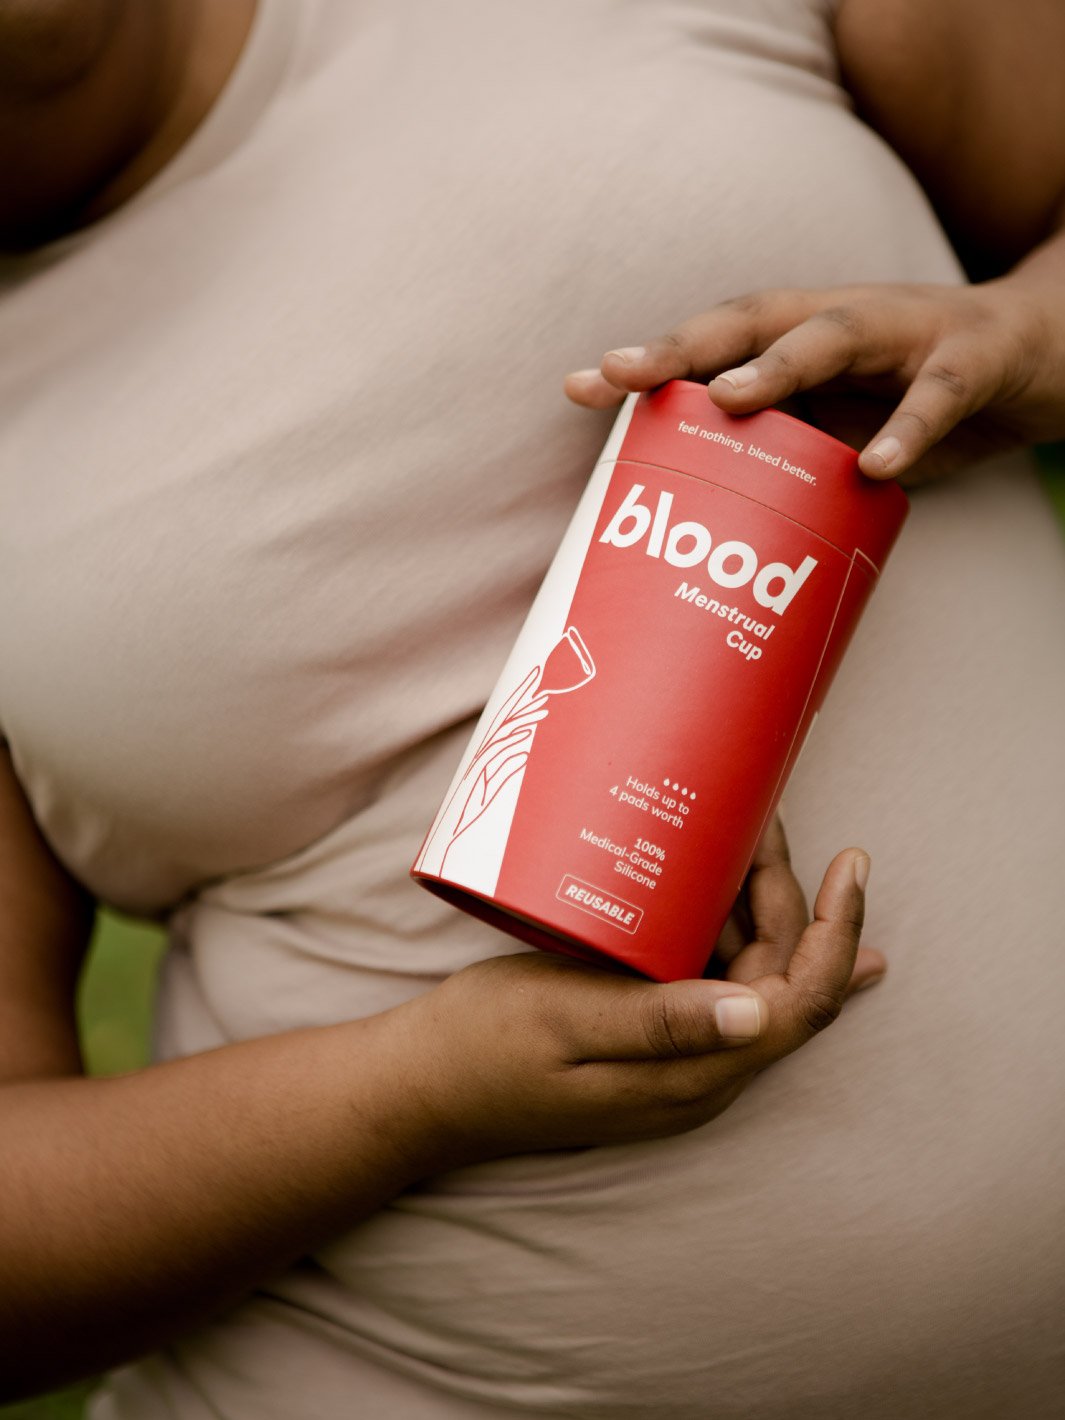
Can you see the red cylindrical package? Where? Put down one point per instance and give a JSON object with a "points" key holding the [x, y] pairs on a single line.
{"points": [[662, 687]]}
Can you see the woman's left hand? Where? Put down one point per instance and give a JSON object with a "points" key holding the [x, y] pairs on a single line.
{"points": [[979, 368], [768, 919]]}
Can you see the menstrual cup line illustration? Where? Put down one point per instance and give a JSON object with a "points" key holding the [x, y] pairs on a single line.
{"points": [[503, 751]]}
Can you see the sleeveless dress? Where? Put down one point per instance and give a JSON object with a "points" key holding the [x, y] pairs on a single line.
{"points": [[283, 458]]}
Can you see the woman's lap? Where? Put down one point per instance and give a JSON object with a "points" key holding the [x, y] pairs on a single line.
{"points": [[877, 1223]]}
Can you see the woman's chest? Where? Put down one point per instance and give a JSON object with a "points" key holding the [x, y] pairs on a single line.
{"points": [[283, 452]]}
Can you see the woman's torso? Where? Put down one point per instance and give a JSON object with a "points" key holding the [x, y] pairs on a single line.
{"points": [[284, 448], [284, 457]]}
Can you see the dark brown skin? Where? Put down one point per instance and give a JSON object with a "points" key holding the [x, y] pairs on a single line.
{"points": [[97, 95], [135, 1207]]}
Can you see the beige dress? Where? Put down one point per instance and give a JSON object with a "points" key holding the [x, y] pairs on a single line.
{"points": [[283, 456]]}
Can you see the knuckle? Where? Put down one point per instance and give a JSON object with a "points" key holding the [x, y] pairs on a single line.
{"points": [[555, 1041], [1019, 373], [846, 319], [972, 311], [921, 422], [676, 340], [1023, 352], [780, 357], [553, 1028], [749, 304], [819, 1009], [948, 378], [670, 1031], [852, 921], [1020, 353], [683, 1091], [692, 1099]]}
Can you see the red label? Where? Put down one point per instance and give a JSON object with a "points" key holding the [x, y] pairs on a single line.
{"points": [[649, 785]]}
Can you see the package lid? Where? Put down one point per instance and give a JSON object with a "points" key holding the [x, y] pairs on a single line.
{"points": [[772, 458]]}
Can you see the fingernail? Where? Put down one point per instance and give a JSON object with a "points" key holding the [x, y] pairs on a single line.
{"points": [[887, 451], [861, 864], [583, 375], [870, 981], [628, 354], [739, 378], [738, 1018]]}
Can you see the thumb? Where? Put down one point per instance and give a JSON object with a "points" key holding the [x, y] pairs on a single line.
{"points": [[667, 1021]]}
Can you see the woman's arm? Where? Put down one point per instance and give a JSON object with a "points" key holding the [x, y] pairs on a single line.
{"points": [[45, 921], [970, 94], [133, 1208]]}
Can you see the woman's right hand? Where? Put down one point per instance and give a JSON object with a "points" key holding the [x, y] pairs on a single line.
{"points": [[524, 1053]]}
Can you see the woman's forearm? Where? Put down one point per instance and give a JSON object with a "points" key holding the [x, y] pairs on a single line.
{"points": [[134, 1207]]}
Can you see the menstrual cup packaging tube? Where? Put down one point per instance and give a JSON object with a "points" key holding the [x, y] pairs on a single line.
{"points": [[672, 665]]}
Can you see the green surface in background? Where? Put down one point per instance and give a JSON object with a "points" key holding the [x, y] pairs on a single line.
{"points": [[117, 987], [116, 992], [1052, 463], [64, 1405]]}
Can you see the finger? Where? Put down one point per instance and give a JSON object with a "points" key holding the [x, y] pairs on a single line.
{"points": [[715, 338], [802, 338], [809, 995], [954, 382], [698, 347], [732, 940], [590, 389], [662, 1097], [870, 967], [737, 932], [612, 1018], [779, 914], [867, 338]]}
